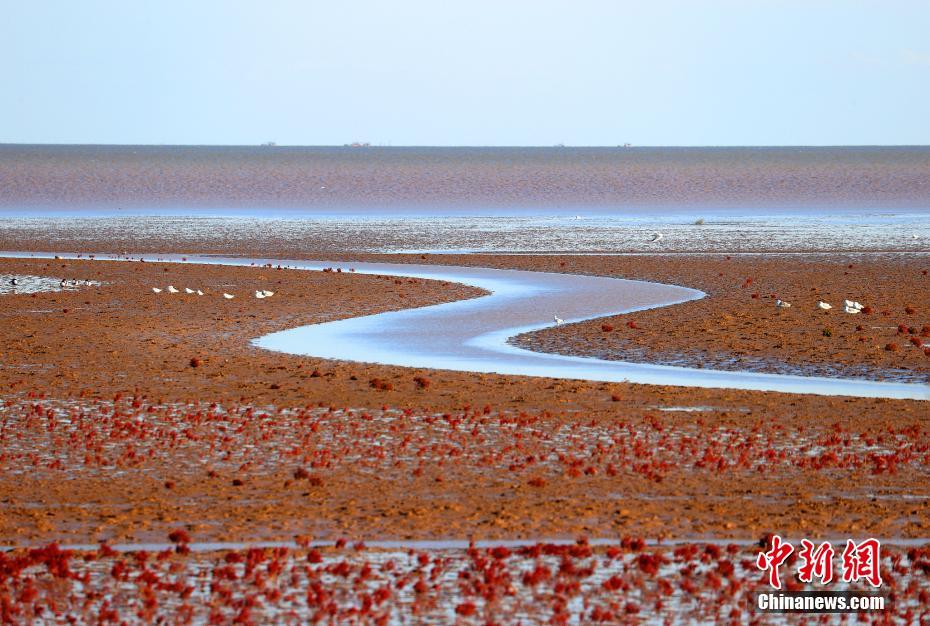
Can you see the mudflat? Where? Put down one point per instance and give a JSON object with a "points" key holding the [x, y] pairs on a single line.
{"points": [[128, 413]]}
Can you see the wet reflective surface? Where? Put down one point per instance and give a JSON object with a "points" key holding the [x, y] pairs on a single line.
{"points": [[472, 335]]}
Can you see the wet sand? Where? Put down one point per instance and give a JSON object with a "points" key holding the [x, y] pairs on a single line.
{"points": [[579, 583], [424, 454]]}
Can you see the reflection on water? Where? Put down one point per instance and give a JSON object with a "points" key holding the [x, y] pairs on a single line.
{"points": [[473, 335], [809, 232], [12, 284]]}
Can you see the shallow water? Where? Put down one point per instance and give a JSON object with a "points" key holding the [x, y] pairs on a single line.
{"points": [[444, 544], [27, 284], [465, 180], [472, 335], [808, 232]]}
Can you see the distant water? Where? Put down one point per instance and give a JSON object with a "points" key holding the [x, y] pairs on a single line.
{"points": [[773, 231], [283, 181]]}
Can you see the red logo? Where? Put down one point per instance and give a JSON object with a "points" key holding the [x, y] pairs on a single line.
{"points": [[772, 559], [860, 561]]}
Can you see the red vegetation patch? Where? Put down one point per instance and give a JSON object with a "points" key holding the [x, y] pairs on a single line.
{"points": [[535, 583], [380, 384]]}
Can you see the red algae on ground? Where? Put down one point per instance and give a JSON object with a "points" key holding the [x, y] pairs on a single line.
{"points": [[629, 582], [43, 436]]}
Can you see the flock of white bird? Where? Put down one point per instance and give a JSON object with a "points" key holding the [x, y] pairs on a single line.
{"points": [[261, 294], [849, 306]]}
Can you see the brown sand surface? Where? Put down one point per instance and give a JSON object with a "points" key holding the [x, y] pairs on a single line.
{"points": [[450, 454], [738, 327]]}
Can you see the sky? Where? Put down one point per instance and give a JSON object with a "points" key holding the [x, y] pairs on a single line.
{"points": [[470, 72]]}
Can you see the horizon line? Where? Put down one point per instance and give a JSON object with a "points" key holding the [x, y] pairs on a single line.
{"points": [[362, 145]]}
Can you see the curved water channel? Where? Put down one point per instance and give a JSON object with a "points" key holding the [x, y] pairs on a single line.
{"points": [[472, 335]]}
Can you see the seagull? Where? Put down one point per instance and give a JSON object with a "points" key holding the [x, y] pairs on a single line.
{"points": [[156, 289], [199, 293], [267, 293], [558, 321], [657, 237], [14, 282], [781, 304], [228, 296], [188, 290], [823, 305], [851, 309], [259, 294], [171, 289]]}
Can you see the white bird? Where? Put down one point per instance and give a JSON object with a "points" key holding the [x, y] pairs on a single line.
{"points": [[259, 294], [156, 289], [14, 282], [267, 293], [781, 304], [858, 306], [171, 289], [228, 296], [558, 321], [851, 309], [823, 305], [188, 290], [657, 237], [199, 293]]}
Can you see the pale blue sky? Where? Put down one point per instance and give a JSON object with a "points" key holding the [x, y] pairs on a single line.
{"points": [[475, 72]]}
